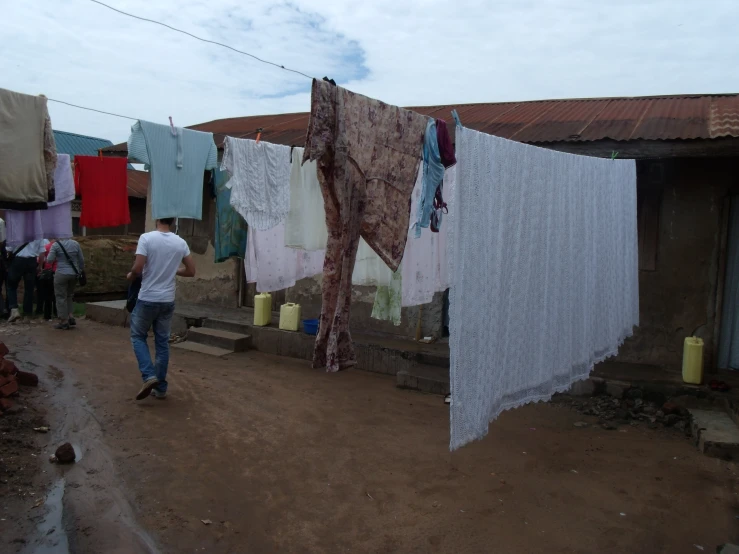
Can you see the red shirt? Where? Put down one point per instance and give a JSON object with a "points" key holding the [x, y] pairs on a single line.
{"points": [[102, 183]]}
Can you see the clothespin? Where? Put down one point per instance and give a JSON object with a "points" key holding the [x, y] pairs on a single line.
{"points": [[259, 134], [100, 153], [171, 125], [455, 115], [613, 155], [329, 81]]}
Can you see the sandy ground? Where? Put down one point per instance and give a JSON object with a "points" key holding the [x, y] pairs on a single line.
{"points": [[282, 458]]}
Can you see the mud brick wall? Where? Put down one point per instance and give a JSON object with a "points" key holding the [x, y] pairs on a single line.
{"points": [[107, 261]]}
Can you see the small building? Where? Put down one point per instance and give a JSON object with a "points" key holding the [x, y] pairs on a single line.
{"points": [[138, 185], [687, 152]]}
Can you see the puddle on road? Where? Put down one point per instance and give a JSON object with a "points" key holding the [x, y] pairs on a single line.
{"points": [[77, 453], [76, 422], [51, 537]]}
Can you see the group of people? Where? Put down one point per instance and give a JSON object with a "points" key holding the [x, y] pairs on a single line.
{"points": [[50, 268]]}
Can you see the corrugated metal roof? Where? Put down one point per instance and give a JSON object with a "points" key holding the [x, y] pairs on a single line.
{"points": [[724, 116], [138, 183], [539, 121], [74, 144]]}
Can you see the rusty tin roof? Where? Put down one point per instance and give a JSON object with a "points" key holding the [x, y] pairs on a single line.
{"points": [[539, 121]]}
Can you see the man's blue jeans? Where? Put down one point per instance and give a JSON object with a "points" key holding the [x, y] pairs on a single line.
{"points": [[159, 316]]}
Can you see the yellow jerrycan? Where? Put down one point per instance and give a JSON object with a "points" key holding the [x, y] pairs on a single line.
{"points": [[290, 316], [693, 361], [262, 309]]}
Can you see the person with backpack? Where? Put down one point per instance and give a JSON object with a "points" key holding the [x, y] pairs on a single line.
{"points": [[23, 264], [70, 267]]}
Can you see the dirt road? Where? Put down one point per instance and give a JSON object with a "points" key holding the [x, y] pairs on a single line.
{"points": [[282, 458]]}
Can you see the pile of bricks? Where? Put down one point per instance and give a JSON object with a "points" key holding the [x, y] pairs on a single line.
{"points": [[11, 379]]}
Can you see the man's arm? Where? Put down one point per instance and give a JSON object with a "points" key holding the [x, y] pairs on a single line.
{"points": [[138, 267], [189, 269]]}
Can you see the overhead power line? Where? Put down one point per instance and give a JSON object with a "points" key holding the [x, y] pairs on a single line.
{"points": [[91, 109], [203, 39], [302, 116]]}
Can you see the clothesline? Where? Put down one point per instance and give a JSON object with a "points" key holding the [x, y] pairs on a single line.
{"points": [[202, 39], [139, 119], [541, 245]]}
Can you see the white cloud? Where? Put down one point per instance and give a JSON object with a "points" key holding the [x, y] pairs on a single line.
{"points": [[405, 52]]}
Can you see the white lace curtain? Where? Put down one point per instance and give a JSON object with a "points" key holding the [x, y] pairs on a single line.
{"points": [[543, 266]]}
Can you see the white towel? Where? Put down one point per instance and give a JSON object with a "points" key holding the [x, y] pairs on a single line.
{"points": [[260, 180], [369, 269], [305, 226], [544, 275], [273, 266]]}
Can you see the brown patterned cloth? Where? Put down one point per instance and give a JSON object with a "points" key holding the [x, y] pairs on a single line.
{"points": [[27, 152], [368, 155]]}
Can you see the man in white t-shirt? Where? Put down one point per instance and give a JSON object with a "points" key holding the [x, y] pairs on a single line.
{"points": [[159, 257]]}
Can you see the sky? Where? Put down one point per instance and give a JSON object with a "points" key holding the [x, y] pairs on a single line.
{"points": [[404, 52]]}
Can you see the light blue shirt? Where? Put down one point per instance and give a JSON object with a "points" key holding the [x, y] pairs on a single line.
{"points": [[64, 266], [33, 249], [177, 162]]}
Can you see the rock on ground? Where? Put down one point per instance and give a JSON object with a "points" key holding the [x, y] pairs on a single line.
{"points": [[27, 379], [65, 454]]}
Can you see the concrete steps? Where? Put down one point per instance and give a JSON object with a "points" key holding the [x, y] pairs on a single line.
{"points": [[424, 378], [226, 325], [375, 353], [202, 349], [436, 360], [715, 434], [219, 339]]}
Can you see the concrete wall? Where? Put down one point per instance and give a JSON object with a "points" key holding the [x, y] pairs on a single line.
{"points": [[678, 297], [307, 293]]}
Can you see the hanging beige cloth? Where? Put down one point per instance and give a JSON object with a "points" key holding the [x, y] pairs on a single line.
{"points": [[27, 152]]}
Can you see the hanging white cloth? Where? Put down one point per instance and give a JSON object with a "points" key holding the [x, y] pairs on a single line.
{"points": [[369, 269], [544, 275], [260, 180], [425, 270], [305, 226], [273, 266]]}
